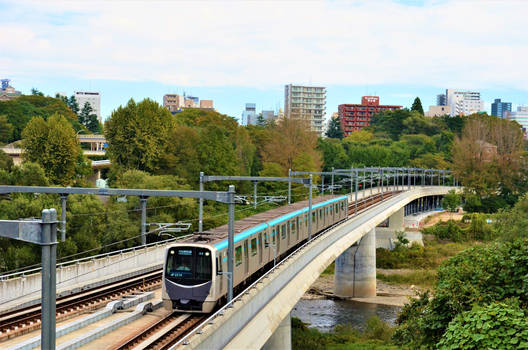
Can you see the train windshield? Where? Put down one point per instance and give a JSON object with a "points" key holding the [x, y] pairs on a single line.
{"points": [[189, 265]]}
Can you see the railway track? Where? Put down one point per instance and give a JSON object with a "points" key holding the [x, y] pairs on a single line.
{"points": [[27, 319], [368, 201], [162, 334]]}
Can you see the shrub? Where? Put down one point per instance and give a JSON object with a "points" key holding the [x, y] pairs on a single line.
{"points": [[477, 276], [495, 326]]}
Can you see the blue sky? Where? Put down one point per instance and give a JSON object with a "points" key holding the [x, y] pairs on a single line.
{"points": [[236, 52]]}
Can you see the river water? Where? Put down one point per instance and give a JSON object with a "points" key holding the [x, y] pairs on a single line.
{"points": [[325, 314]]}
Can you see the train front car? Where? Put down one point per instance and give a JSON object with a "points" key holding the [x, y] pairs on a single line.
{"points": [[188, 278]]}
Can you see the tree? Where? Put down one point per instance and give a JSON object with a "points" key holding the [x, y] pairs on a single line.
{"points": [[36, 92], [417, 106], [72, 103], [6, 163], [260, 120], [451, 201], [138, 135], [292, 139], [53, 145], [89, 119], [360, 136], [477, 276], [489, 157], [6, 130], [334, 129], [22, 109]]}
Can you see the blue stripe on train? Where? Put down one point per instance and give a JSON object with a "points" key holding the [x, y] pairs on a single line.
{"points": [[244, 234]]}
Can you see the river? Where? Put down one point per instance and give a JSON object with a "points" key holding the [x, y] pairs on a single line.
{"points": [[325, 314]]}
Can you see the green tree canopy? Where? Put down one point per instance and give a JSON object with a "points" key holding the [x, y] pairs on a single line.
{"points": [[334, 129], [417, 106], [89, 119], [138, 135], [54, 145]]}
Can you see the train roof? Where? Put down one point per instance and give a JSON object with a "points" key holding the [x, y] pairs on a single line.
{"points": [[247, 226]]}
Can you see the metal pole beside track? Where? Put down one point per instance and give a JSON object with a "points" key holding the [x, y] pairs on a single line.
{"points": [[322, 184], [200, 213], [49, 261], [356, 199], [289, 186], [310, 210], [64, 197], [143, 203], [231, 241], [332, 180], [255, 194]]}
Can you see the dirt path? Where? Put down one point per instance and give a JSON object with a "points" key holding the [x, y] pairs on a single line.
{"points": [[443, 216]]}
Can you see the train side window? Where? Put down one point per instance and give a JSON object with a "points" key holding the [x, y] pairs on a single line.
{"points": [[219, 264], [266, 240], [342, 205], [314, 217], [320, 213], [273, 236], [238, 255], [253, 247], [283, 232]]}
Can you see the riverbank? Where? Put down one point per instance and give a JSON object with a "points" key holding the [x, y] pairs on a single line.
{"points": [[387, 294]]}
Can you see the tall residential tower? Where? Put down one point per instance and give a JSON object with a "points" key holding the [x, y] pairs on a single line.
{"points": [[306, 102]]}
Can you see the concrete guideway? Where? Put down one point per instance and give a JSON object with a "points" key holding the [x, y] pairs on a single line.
{"points": [[257, 314], [137, 300]]}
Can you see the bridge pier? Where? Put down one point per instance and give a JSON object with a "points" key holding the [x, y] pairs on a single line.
{"points": [[355, 269], [281, 338]]}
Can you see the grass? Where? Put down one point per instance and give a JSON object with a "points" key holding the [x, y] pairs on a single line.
{"points": [[430, 256], [422, 278], [329, 270]]}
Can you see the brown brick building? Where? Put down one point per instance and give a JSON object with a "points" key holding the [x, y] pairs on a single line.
{"points": [[354, 117]]}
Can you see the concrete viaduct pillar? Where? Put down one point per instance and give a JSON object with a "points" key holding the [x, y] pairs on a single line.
{"points": [[281, 338], [355, 269]]}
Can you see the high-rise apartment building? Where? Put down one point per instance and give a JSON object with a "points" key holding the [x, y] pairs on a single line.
{"points": [[441, 100], [463, 102], [249, 115], [354, 117], [93, 98], [307, 103], [498, 108]]}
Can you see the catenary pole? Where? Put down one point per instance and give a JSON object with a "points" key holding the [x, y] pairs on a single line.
{"points": [[231, 241]]}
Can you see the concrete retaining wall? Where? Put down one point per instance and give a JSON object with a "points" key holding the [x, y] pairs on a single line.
{"points": [[81, 276]]}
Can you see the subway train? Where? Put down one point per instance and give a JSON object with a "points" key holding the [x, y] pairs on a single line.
{"points": [[194, 278]]}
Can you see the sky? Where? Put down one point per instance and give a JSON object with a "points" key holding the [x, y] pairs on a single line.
{"points": [[235, 52]]}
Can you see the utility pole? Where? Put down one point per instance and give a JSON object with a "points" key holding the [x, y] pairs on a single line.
{"points": [[332, 181], [64, 197], [44, 233], [231, 241], [200, 213], [310, 210], [143, 203], [355, 203], [289, 186]]}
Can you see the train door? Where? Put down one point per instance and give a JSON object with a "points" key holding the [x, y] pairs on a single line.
{"points": [[246, 257], [260, 247], [289, 225]]}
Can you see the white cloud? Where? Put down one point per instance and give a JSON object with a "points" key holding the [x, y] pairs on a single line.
{"points": [[466, 44]]}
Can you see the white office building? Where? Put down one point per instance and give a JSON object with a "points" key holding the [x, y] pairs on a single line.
{"points": [[93, 98], [520, 116], [463, 102], [306, 102], [249, 115]]}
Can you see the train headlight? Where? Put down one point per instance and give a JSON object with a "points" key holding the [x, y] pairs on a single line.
{"points": [[206, 253]]}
